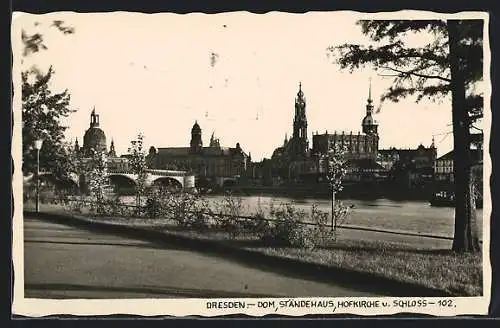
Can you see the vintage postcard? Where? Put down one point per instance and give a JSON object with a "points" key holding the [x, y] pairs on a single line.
{"points": [[236, 163]]}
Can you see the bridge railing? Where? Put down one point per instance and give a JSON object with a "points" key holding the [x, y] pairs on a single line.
{"points": [[154, 172]]}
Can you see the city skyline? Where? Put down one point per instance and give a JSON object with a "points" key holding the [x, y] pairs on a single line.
{"points": [[236, 90]]}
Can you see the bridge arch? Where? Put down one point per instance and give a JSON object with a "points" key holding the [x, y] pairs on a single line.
{"points": [[228, 183], [121, 180], [167, 182]]}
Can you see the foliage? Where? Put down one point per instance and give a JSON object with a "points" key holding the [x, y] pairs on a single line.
{"points": [[35, 42], [186, 209], [286, 228], [449, 61], [424, 70], [336, 167], [42, 111], [320, 231], [138, 165], [227, 212], [96, 179]]}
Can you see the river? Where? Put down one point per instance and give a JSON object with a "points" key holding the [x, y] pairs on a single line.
{"points": [[412, 216]]}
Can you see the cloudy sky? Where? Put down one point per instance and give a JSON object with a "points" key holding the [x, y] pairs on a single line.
{"points": [[155, 74]]}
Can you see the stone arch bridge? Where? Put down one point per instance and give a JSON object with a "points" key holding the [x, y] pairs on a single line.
{"points": [[178, 179]]}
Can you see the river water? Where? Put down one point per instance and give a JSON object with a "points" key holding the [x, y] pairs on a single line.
{"points": [[411, 216]]}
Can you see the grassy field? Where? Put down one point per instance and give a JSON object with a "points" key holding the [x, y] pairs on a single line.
{"points": [[439, 268]]}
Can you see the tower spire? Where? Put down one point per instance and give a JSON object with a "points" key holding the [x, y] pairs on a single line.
{"points": [[370, 90]]}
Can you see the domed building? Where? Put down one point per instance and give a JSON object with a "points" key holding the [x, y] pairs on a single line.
{"points": [[94, 137]]}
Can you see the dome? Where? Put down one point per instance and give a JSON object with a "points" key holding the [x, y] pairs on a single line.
{"points": [[368, 120], [94, 138]]}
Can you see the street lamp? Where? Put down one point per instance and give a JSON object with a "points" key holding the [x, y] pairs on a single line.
{"points": [[38, 146]]}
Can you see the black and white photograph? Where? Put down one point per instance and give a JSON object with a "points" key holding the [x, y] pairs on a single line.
{"points": [[238, 163]]}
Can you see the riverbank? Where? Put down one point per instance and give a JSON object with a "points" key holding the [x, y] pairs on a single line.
{"points": [[370, 191], [434, 268]]}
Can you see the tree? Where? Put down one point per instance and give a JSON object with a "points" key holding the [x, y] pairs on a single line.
{"points": [[137, 163], [42, 111], [335, 172], [96, 177], [450, 62]]}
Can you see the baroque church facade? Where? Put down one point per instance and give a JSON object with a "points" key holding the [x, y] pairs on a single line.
{"points": [[295, 160], [94, 139]]}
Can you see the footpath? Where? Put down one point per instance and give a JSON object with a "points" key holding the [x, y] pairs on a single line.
{"points": [[320, 272]]}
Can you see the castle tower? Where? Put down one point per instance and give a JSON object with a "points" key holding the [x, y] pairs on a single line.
{"points": [[370, 126], [300, 143], [196, 144]]}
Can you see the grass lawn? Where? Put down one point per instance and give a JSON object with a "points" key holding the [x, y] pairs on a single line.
{"points": [[459, 274]]}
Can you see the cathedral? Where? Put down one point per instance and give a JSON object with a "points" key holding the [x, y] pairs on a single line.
{"points": [[295, 159], [213, 163]]}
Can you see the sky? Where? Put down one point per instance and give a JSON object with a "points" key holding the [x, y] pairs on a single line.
{"points": [[154, 74]]}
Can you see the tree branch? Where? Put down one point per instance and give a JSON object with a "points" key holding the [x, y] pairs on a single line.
{"points": [[426, 76]]}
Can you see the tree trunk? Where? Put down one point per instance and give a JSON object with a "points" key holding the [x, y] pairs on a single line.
{"points": [[465, 237], [334, 223]]}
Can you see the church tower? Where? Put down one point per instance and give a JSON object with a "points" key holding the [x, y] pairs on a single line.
{"points": [[369, 124], [94, 138], [300, 143], [112, 151], [196, 144]]}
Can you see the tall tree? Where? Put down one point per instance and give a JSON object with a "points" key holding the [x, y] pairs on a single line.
{"points": [[336, 169], [451, 61], [42, 110]]}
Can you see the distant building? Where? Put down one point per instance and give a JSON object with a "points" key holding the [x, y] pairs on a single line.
{"points": [[444, 167], [215, 163], [411, 167], [359, 145], [294, 160], [94, 139]]}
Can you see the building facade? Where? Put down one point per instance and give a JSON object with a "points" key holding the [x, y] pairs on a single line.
{"points": [[295, 161], [214, 163]]}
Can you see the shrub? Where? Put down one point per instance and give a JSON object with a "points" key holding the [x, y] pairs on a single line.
{"points": [[186, 209], [286, 229], [341, 213], [229, 215], [153, 206], [320, 231]]}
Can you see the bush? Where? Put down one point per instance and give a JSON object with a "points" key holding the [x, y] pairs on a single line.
{"points": [[286, 228], [341, 213], [186, 209], [229, 215], [321, 232]]}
